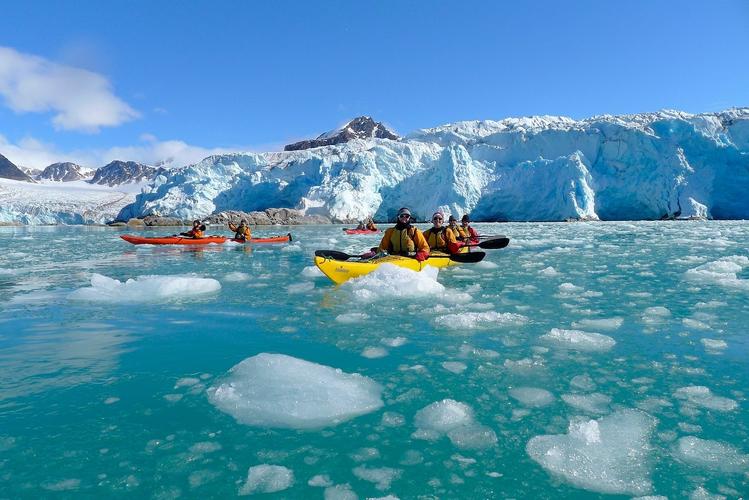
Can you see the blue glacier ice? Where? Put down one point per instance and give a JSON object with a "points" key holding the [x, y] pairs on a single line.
{"points": [[544, 168]]}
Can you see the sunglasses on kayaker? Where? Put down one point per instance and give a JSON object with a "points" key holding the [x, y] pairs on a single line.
{"points": [[437, 218], [404, 216]]}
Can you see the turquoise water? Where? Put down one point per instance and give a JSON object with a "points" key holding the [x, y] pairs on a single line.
{"points": [[109, 398]]}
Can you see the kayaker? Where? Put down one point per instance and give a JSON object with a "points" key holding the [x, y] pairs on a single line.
{"points": [[471, 234], [458, 231], [196, 231], [405, 239], [242, 231], [361, 226], [441, 238], [371, 225]]}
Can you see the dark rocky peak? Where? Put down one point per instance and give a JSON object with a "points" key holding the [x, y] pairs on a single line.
{"points": [[362, 127], [124, 172], [63, 172], [9, 171]]}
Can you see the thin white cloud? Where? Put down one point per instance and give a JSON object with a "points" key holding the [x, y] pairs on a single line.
{"points": [[32, 153], [80, 99]]}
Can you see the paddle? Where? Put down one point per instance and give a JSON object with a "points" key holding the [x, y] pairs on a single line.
{"points": [[458, 257], [493, 244]]}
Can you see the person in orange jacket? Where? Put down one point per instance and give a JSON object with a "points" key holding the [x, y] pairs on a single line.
{"points": [[242, 231], [405, 239], [457, 230], [197, 230], [371, 225], [441, 238]]}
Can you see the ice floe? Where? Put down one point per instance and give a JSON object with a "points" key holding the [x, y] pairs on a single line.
{"points": [[714, 345], [454, 366], [609, 455], [386, 282], [381, 476], [702, 396], [711, 455], [266, 478], [468, 321], [722, 272], [579, 340], [145, 289], [349, 318], [236, 276], [532, 397], [374, 352], [456, 420], [275, 390], [606, 324], [595, 403]]}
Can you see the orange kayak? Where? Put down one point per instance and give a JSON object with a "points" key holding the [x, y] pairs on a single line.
{"points": [[271, 239], [171, 240]]}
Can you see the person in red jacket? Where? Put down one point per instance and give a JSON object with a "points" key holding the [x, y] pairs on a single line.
{"points": [[473, 236]]}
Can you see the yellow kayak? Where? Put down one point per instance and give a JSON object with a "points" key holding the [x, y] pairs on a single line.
{"points": [[341, 270]]}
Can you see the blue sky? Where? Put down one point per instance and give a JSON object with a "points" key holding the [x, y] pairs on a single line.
{"points": [[148, 79]]}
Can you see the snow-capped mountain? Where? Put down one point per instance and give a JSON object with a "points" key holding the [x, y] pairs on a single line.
{"points": [[8, 170], [361, 127], [64, 172], [124, 172], [643, 166]]}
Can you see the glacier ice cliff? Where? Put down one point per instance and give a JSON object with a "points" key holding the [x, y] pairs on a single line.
{"points": [[629, 167]]}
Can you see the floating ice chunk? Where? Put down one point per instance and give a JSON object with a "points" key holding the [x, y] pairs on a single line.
{"points": [[236, 276], [443, 416], [486, 264], [454, 366], [711, 455], [714, 344], [583, 383], [394, 341], [722, 272], [702, 494], [186, 382], [579, 340], [700, 395], [300, 287], [350, 318], [275, 390], [472, 437], [320, 480], [382, 477], [365, 454], [145, 289], [392, 419], [569, 288], [456, 420], [267, 479], [374, 352], [468, 351], [204, 447], [387, 282], [340, 492], [549, 271], [312, 272], [468, 321], [656, 314], [606, 324], [532, 397], [111, 400], [64, 485], [596, 402], [609, 456]]}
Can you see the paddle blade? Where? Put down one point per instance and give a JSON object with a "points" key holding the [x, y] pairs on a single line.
{"points": [[495, 243], [332, 254], [468, 258]]}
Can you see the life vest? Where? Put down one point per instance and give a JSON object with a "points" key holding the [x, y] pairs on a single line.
{"points": [[371, 226], [458, 232], [436, 238], [243, 234], [196, 232], [402, 241]]}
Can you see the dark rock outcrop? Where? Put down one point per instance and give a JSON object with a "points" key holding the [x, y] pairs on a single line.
{"points": [[63, 172], [362, 127], [124, 172], [268, 217], [9, 171], [156, 220]]}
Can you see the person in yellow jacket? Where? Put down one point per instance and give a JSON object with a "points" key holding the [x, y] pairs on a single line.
{"points": [[242, 231], [405, 239], [457, 230], [441, 238]]}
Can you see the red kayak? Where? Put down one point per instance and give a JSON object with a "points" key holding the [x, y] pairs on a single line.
{"points": [[171, 240], [360, 231], [271, 239]]}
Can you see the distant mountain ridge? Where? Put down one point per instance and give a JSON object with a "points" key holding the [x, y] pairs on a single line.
{"points": [[64, 172], [361, 127], [123, 172], [8, 170]]}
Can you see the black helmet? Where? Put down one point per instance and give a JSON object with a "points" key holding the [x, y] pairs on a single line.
{"points": [[466, 218], [452, 219]]}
